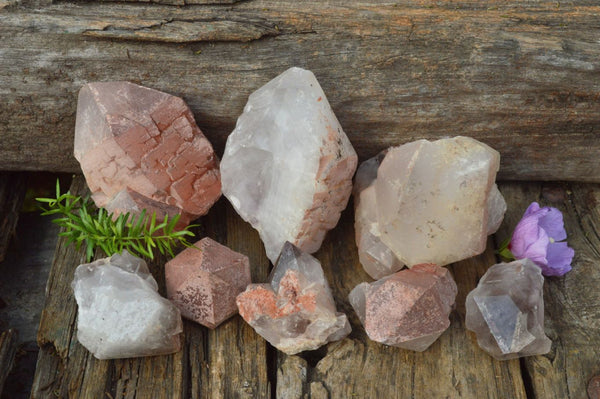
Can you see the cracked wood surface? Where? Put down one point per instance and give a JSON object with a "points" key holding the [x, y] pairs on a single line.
{"points": [[232, 361], [520, 76], [12, 194], [8, 350]]}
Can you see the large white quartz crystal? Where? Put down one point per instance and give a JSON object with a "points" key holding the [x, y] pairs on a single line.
{"points": [[426, 202], [121, 313], [296, 311], [288, 164]]}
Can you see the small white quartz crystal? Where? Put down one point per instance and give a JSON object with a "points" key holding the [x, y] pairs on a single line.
{"points": [[288, 165], [121, 313], [426, 202]]}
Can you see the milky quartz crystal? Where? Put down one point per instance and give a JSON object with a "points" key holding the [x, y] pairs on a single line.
{"points": [[296, 311], [203, 281], [506, 311], [408, 309], [426, 202], [288, 165], [121, 313], [141, 149]]}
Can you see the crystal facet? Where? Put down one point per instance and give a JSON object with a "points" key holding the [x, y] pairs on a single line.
{"points": [[427, 202], [408, 309], [287, 166], [141, 149], [506, 311], [296, 311], [204, 281], [121, 313]]}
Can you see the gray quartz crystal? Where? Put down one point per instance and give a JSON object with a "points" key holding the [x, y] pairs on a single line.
{"points": [[288, 165], [296, 311], [506, 311], [121, 313]]}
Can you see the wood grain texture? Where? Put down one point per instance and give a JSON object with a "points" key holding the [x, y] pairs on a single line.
{"points": [[453, 367], [571, 302], [12, 193], [8, 350], [520, 76], [228, 362]]}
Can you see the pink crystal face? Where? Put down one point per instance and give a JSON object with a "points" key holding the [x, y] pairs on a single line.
{"points": [[203, 282], [506, 311], [408, 309], [296, 311], [141, 149]]}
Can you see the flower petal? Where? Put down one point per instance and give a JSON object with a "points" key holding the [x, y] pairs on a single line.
{"points": [[533, 208], [552, 223], [530, 241], [559, 258]]}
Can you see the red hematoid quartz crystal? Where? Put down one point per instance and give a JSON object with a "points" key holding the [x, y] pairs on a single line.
{"points": [[141, 149], [408, 309], [203, 282]]}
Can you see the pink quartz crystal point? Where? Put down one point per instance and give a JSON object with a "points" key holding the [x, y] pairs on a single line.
{"points": [[204, 281], [408, 309], [140, 148]]}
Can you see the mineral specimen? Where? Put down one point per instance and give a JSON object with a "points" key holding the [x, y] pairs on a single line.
{"points": [[296, 311], [377, 259], [204, 281], [506, 311], [121, 313], [141, 149], [427, 202], [408, 309], [287, 166]]}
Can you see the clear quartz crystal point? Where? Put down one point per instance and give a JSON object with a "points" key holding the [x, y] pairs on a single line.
{"points": [[296, 311], [288, 165], [506, 311], [426, 202], [120, 313]]}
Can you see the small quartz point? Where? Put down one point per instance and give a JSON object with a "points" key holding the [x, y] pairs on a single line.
{"points": [[506, 311], [408, 309], [141, 149], [377, 259], [121, 313], [426, 202], [296, 311], [288, 165], [204, 280]]}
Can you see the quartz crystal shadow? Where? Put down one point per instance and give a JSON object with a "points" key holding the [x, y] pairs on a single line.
{"points": [[426, 202], [141, 149], [409, 309], [296, 311], [288, 165], [204, 280], [506, 311], [120, 313]]}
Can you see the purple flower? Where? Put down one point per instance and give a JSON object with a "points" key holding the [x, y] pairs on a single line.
{"points": [[537, 237]]}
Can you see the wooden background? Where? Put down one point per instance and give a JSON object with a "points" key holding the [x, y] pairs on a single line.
{"points": [[522, 76]]}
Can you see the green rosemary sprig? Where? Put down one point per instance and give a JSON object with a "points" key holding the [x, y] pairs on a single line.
{"points": [[97, 228]]}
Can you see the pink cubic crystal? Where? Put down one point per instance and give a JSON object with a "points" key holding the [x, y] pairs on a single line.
{"points": [[203, 282], [408, 309], [141, 149]]}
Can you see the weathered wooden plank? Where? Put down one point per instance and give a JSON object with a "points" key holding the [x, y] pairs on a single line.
{"points": [[12, 192], [571, 302], [520, 76], [452, 367], [228, 362], [8, 350]]}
